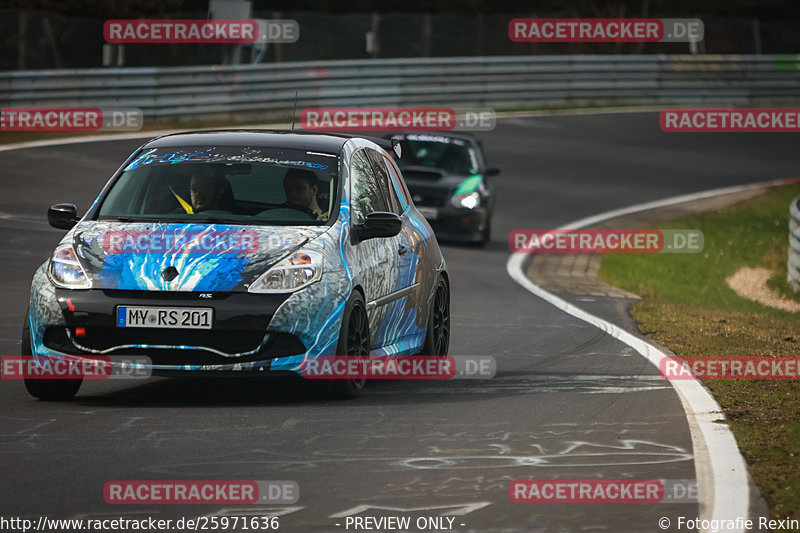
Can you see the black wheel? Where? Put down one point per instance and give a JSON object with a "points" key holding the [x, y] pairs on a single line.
{"points": [[46, 389], [437, 337], [353, 341], [486, 234]]}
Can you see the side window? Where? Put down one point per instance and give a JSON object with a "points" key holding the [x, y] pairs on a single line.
{"points": [[385, 180], [365, 192], [397, 182]]}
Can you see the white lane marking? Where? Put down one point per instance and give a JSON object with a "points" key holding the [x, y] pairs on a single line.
{"points": [[255, 511], [725, 489], [112, 514], [675, 200], [458, 509]]}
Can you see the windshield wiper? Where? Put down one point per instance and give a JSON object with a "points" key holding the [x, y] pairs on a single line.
{"points": [[215, 220], [129, 219]]}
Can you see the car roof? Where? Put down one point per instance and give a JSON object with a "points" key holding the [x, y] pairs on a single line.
{"points": [[324, 142]]}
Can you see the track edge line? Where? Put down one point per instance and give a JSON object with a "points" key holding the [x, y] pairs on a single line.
{"points": [[722, 475]]}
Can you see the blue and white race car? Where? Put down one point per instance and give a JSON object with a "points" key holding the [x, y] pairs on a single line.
{"points": [[242, 251]]}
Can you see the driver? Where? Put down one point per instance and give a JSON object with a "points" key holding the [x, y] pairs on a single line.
{"points": [[455, 161], [205, 189], [301, 187]]}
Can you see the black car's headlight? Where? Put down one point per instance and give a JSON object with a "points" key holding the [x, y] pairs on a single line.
{"points": [[66, 271], [291, 274], [466, 201]]}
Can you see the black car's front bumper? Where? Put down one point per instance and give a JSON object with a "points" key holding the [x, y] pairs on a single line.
{"points": [[455, 224]]}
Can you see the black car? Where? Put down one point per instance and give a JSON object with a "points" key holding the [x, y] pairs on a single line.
{"points": [[450, 183]]}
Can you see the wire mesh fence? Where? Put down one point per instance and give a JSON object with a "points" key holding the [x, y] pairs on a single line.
{"points": [[40, 40]]}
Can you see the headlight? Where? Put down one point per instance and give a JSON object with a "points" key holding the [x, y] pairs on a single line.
{"points": [[291, 274], [466, 201], [66, 271]]}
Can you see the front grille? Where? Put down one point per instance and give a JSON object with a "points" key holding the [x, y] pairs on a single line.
{"points": [[225, 340], [240, 324], [428, 201], [428, 196], [277, 345]]}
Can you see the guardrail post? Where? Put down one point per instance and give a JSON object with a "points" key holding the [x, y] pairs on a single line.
{"points": [[793, 264], [499, 82]]}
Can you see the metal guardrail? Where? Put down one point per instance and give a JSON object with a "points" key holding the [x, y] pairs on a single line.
{"points": [[508, 82], [793, 265]]}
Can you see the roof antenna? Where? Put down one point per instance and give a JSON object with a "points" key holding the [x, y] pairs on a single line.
{"points": [[294, 109]]}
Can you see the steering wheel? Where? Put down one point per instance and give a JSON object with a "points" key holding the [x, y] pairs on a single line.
{"points": [[298, 207], [289, 212]]}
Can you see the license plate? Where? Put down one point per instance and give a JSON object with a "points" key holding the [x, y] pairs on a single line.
{"points": [[165, 317], [428, 212]]}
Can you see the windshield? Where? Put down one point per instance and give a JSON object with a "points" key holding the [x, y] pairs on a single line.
{"points": [[228, 184], [454, 156]]}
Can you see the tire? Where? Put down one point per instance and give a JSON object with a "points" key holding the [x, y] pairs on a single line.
{"points": [[354, 340], [437, 336], [487, 233], [54, 390]]}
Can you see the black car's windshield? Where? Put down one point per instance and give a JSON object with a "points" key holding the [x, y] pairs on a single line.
{"points": [[454, 156], [227, 184]]}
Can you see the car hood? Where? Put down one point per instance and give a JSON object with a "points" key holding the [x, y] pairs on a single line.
{"points": [[203, 257]]}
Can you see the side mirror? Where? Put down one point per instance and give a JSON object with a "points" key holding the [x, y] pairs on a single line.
{"points": [[378, 224], [398, 150], [62, 216], [492, 171]]}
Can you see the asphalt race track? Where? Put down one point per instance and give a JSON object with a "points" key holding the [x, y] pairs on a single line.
{"points": [[568, 401]]}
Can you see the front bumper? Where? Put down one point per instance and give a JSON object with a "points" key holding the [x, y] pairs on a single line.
{"points": [[239, 333], [250, 331], [455, 224]]}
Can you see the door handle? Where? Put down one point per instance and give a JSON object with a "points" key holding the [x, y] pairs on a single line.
{"points": [[402, 249]]}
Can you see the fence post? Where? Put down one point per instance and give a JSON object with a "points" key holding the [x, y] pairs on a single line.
{"points": [[375, 33], [22, 39], [793, 263]]}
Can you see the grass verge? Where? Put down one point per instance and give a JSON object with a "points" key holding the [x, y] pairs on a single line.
{"points": [[688, 307]]}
